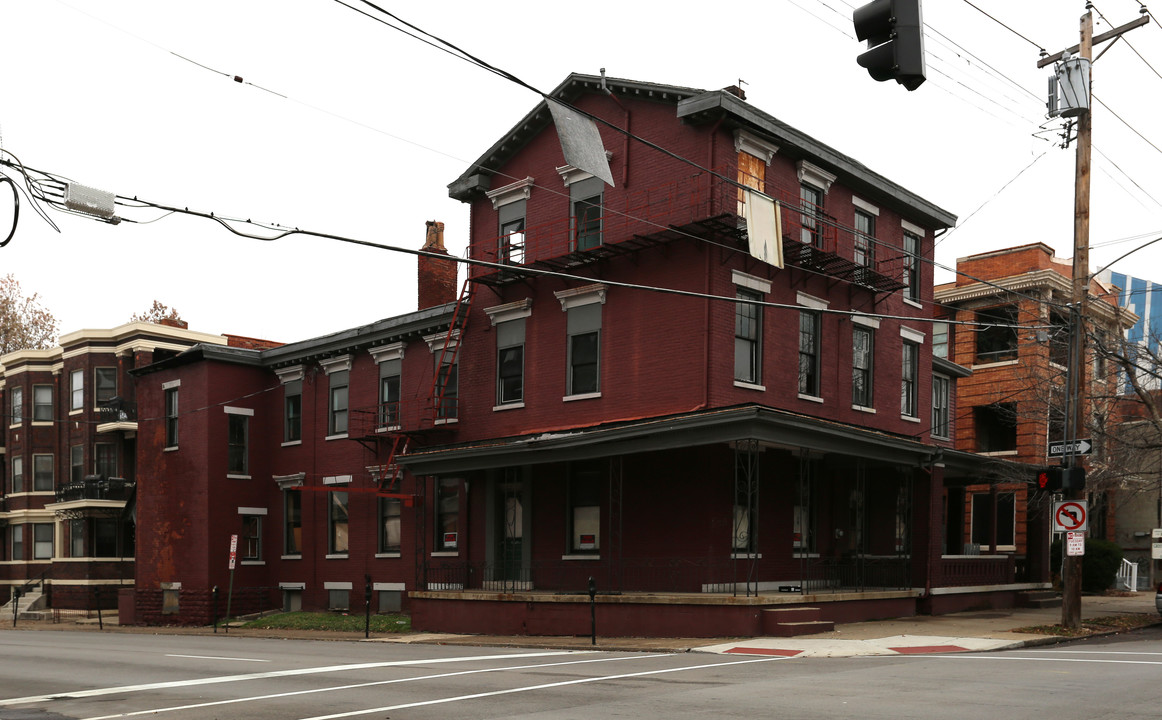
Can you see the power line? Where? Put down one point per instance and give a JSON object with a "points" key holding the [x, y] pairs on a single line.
{"points": [[1131, 127], [998, 22]]}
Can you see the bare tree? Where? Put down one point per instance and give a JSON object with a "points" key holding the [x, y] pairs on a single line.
{"points": [[161, 314], [24, 322]]}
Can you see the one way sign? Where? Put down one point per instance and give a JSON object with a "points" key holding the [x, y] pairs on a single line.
{"points": [[1077, 447]]}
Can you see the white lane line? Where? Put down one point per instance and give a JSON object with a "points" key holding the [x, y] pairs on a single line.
{"points": [[275, 696], [96, 692], [1092, 652], [546, 686], [215, 657]]}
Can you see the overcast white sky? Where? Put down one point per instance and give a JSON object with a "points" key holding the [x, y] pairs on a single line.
{"points": [[376, 124]]}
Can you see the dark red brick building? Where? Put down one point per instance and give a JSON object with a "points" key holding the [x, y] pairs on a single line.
{"points": [[622, 392]]}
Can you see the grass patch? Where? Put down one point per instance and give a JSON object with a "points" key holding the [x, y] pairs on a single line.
{"points": [[334, 622], [1109, 623]]}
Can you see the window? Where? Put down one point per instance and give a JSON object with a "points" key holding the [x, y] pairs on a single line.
{"points": [[911, 266], [982, 519], [811, 200], [105, 541], [586, 199], [748, 320], [41, 403], [510, 361], [77, 390], [337, 524], [237, 441], [512, 232], [447, 514], [17, 394], [17, 474], [389, 525], [389, 384], [251, 537], [105, 382], [584, 516], [809, 353], [42, 473], [909, 380], [447, 386], [76, 463], [1059, 338], [17, 542], [171, 417], [865, 233], [338, 599], [42, 541], [292, 503], [940, 332], [996, 427], [292, 418], [337, 417], [106, 460], [584, 331], [77, 538], [996, 338], [941, 398], [861, 366]]}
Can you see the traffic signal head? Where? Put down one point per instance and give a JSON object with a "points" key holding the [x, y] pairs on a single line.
{"points": [[1049, 479], [894, 31], [1073, 478]]}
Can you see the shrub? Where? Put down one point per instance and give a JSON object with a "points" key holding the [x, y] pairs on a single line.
{"points": [[1099, 566]]}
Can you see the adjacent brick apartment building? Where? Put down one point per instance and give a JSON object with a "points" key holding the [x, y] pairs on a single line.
{"points": [[69, 450], [621, 393]]}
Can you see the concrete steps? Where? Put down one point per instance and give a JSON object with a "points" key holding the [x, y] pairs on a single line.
{"points": [[1038, 599], [26, 607], [792, 622]]}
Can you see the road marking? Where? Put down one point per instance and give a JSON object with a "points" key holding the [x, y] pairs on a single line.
{"points": [[1033, 659], [530, 688], [1093, 652], [97, 692], [215, 657], [293, 693]]}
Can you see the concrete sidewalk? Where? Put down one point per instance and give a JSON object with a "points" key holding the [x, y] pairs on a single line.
{"points": [[959, 632]]}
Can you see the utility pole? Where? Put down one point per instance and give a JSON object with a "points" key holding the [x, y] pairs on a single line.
{"points": [[1076, 400]]}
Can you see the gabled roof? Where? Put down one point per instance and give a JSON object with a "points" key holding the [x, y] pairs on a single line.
{"points": [[696, 105]]}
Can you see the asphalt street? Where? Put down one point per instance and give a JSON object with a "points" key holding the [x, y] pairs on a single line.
{"points": [[99, 676]]}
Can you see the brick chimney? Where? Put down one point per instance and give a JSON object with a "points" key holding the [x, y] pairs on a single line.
{"points": [[436, 278], [736, 91]]}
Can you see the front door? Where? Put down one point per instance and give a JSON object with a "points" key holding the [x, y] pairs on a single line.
{"points": [[510, 571]]}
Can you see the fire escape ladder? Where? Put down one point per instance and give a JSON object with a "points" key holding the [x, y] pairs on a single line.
{"points": [[445, 383], [389, 480]]}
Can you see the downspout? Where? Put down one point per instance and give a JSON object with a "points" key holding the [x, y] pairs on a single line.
{"points": [[624, 135]]}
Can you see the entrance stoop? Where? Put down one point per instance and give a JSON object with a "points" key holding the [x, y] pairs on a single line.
{"points": [[1038, 599], [791, 622]]}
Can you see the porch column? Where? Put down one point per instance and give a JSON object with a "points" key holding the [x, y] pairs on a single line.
{"points": [[927, 528]]}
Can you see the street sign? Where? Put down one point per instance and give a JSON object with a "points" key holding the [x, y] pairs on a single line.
{"points": [[1156, 533], [1156, 551], [233, 550], [1077, 447], [1074, 543], [1069, 516]]}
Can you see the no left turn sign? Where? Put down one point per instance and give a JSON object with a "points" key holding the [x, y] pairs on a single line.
{"points": [[1070, 516]]}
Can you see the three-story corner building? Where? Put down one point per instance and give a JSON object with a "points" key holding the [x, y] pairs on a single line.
{"points": [[620, 397], [67, 531]]}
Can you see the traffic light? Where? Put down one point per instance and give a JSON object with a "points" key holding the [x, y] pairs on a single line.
{"points": [[1049, 479], [1073, 478], [894, 30]]}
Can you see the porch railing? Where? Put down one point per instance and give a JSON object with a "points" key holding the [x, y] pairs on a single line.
{"points": [[961, 571]]}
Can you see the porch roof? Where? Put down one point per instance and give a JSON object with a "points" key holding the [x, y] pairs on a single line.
{"points": [[772, 428]]}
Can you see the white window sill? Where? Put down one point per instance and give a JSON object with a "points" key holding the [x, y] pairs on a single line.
{"points": [[804, 555], [291, 443], [76, 411], [909, 418], [171, 448], [15, 426], [446, 553], [1000, 453], [509, 406], [749, 386], [913, 303], [337, 436], [336, 556], [42, 423], [811, 398], [746, 556], [581, 557], [864, 408], [292, 557], [1002, 363], [583, 396], [387, 429], [253, 562], [387, 555], [446, 421], [237, 477]]}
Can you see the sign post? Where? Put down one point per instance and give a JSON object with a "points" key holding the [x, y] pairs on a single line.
{"points": [[230, 590]]}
